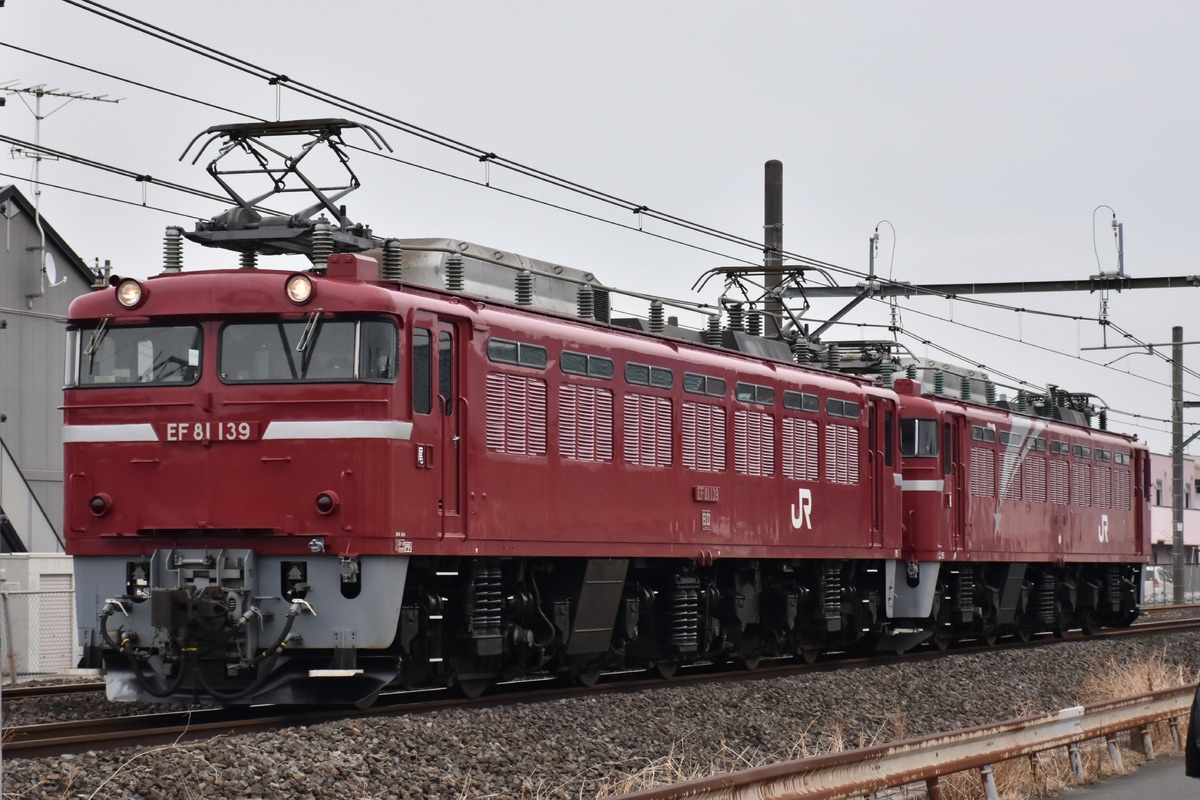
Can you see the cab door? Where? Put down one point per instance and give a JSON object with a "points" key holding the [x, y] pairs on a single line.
{"points": [[452, 410], [439, 422], [955, 479], [881, 459]]}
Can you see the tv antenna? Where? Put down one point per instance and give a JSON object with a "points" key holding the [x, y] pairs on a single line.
{"points": [[38, 92]]}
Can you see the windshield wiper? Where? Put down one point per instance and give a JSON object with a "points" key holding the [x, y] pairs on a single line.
{"points": [[97, 337], [310, 331]]}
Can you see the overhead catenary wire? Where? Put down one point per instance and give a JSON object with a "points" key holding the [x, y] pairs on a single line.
{"points": [[804, 262], [397, 160], [1040, 347], [130, 81], [477, 153], [105, 197]]}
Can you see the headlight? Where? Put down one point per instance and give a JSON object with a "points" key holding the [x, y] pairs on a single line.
{"points": [[327, 502], [100, 504], [299, 288], [129, 293]]}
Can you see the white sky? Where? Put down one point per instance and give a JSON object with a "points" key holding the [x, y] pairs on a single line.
{"points": [[986, 134]]}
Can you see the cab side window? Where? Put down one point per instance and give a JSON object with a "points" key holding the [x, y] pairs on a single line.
{"points": [[422, 371]]}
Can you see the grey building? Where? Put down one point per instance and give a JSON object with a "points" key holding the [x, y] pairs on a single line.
{"points": [[39, 277]]}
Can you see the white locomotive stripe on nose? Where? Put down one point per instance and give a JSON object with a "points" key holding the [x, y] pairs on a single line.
{"points": [[338, 429], [132, 432]]}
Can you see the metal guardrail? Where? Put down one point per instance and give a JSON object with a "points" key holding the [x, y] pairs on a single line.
{"points": [[856, 772]]}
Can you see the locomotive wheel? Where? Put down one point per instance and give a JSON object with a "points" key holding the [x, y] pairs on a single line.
{"points": [[1087, 623], [990, 637], [749, 652], [943, 638], [472, 688], [587, 677], [666, 669], [810, 654], [367, 701], [749, 662], [1024, 634]]}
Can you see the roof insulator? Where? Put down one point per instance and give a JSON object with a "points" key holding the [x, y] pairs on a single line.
{"points": [[393, 260], [656, 316], [454, 273], [173, 249], [583, 298]]}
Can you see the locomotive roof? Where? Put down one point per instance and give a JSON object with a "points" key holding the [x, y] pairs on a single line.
{"points": [[211, 293], [913, 398], [491, 295]]}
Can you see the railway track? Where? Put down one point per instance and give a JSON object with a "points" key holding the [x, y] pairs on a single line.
{"points": [[51, 690], [159, 729]]}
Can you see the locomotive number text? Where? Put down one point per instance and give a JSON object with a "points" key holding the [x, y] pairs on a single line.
{"points": [[209, 431]]}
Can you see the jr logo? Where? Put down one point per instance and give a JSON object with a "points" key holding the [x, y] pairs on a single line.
{"points": [[1104, 527], [802, 510]]}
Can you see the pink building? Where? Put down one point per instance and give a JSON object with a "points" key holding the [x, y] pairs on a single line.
{"points": [[1160, 510]]}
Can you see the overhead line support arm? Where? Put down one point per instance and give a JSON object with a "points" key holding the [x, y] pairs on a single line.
{"points": [[880, 288]]}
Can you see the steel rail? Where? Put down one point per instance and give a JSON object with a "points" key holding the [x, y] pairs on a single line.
{"points": [[930, 758], [20, 692], [36, 741]]}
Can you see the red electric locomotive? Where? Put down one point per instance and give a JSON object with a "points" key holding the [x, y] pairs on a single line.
{"points": [[304, 487], [1016, 523], [301, 487]]}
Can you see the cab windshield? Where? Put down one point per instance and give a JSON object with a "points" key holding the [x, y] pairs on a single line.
{"points": [[311, 350], [919, 438], [110, 355]]}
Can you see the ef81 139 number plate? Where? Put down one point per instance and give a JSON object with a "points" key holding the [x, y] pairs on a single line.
{"points": [[208, 431]]}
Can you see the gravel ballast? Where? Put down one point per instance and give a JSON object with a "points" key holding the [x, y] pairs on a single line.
{"points": [[574, 748]]}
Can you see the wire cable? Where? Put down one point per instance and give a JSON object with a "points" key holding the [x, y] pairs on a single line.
{"points": [[489, 157], [129, 81], [102, 196], [1043, 348]]}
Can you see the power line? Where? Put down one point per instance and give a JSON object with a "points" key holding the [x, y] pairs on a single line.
{"points": [[126, 173], [479, 154], [1043, 348], [489, 158], [395, 159], [129, 81], [102, 196]]}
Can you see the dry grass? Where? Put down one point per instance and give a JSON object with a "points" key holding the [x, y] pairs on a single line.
{"points": [[1041, 775], [678, 767]]}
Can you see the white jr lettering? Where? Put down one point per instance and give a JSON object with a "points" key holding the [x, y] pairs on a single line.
{"points": [[1104, 527], [802, 510]]}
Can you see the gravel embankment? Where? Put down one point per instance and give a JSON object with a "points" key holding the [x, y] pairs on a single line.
{"points": [[579, 748]]}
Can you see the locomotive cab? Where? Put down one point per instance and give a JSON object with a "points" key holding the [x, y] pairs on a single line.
{"points": [[228, 463]]}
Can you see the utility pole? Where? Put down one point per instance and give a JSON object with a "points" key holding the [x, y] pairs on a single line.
{"points": [[1177, 462]]}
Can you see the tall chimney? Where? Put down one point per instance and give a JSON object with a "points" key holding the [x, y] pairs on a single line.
{"points": [[773, 246]]}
